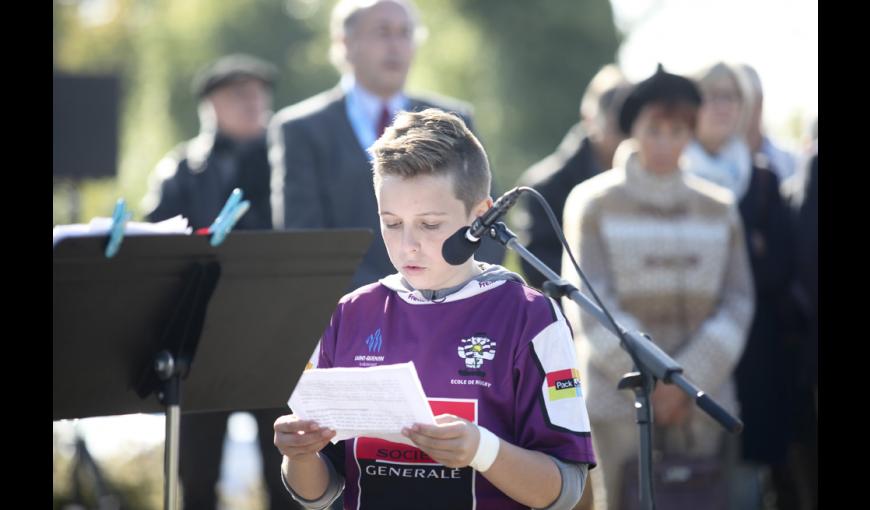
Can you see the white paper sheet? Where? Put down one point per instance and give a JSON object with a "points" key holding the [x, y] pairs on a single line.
{"points": [[100, 227], [371, 401]]}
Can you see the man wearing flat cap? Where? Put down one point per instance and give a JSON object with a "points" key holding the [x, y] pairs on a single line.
{"points": [[197, 176], [195, 179]]}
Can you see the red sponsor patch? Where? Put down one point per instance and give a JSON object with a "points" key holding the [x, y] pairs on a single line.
{"points": [[559, 375], [370, 448]]}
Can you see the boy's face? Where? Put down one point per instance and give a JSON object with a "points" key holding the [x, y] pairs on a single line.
{"points": [[417, 215]]}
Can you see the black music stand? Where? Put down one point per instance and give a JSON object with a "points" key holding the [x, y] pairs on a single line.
{"points": [[237, 323]]}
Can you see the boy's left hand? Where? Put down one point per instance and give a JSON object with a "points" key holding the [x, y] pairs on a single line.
{"points": [[452, 441]]}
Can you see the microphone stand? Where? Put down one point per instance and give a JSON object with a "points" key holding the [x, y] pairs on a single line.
{"points": [[650, 361]]}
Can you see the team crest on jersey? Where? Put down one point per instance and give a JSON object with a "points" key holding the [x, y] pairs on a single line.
{"points": [[475, 350]]}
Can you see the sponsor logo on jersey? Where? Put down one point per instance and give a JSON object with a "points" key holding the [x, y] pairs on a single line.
{"points": [[381, 463], [563, 384], [373, 342]]}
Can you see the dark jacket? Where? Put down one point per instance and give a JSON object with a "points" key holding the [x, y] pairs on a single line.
{"points": [[766, 371], [554, 177], [322, 178], [196, 178]]}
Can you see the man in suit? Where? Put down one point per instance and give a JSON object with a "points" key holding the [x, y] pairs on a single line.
{"points": [[321, 172]]}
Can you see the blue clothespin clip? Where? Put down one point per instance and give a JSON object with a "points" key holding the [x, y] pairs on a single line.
{"points": [[116, 231], [232, 202], [229, 215], [228, 222]]}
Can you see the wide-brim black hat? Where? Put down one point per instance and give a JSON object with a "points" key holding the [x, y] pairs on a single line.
{"points": [[231, 68], [661, 87]]}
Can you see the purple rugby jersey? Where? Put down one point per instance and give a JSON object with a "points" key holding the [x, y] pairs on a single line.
{"points": [[496, 353]]}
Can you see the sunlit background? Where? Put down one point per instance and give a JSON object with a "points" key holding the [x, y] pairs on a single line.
{"points": [[523, 65]]}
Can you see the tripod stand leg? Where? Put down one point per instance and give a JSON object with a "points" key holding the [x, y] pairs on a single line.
{"points": [[170, 396], [170, 458]]}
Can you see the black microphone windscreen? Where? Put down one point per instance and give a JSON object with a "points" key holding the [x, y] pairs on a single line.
{"points": [[457, 248]]}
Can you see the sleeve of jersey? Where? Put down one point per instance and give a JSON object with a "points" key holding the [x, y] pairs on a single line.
{"points": [[551, 411], [335, 454], [322, 357]]}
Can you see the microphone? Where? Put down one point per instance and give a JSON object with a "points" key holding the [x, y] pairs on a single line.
{"points": [[464, 242]]}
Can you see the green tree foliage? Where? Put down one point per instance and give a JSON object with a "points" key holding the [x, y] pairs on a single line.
{"points": [[523, 65]]}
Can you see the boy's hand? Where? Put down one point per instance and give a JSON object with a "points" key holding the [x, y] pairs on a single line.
{"points": [[452, 442], [300, 440]]}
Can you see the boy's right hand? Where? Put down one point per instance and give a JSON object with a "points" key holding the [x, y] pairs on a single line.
{"points": [[300, 439]]}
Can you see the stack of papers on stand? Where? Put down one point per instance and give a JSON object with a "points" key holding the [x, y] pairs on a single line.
{"points": [[100, 227]]}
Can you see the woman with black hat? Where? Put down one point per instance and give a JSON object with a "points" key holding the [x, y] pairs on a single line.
{"points": [[665, 252]]}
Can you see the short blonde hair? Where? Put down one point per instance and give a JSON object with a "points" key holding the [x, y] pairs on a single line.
{"points": [[434, 142]]}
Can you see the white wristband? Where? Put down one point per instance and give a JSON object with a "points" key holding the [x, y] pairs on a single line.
{"points": [[487, 450]]}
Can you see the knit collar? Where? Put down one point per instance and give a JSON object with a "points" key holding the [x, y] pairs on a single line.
{"points": [[661, 191]]}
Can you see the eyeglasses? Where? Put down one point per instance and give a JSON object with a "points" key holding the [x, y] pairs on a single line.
{"points": [[722, 97]]}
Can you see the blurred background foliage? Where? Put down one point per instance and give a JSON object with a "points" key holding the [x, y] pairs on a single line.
{"points": [[522, 65]]}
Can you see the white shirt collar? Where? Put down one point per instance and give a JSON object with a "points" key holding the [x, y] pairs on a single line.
{"points": [[370, 104], [364, 109]]}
